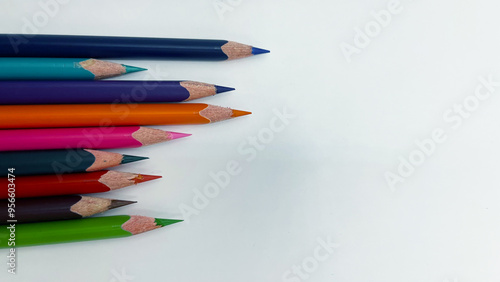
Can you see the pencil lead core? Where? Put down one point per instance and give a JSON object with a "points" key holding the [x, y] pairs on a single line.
{"points": [[238, 113], [164, 222], [257, 51], [131, 69], [120, 203], [222, 89], [177, 135], [144, 177], [130, 159]]}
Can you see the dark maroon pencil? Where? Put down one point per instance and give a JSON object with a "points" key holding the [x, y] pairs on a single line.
{"points": [[55, 208]]}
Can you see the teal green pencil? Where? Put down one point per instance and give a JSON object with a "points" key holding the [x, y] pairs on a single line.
{"points": [[60, 69]]}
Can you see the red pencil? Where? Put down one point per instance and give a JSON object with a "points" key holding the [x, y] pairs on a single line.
{"points": [[74, 183]]}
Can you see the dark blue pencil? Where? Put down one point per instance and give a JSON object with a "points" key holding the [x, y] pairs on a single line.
{"points": [[70, 46], [60, 161], [95, 92]]}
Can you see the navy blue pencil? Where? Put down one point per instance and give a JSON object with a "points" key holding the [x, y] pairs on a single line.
{"points": [[95, 92], [70, 46]]}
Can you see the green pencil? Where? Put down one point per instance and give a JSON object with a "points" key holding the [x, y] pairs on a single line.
{"points": [[60, 69], [76, 230]]}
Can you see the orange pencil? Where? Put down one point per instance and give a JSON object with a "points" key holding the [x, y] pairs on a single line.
{"points": [[39, 116]]}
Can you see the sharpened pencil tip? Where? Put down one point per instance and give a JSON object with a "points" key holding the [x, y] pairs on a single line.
{"points": [[257, 51], [177, 135], [130, 159], [120, 203], [144, 177], [131, 69], [164, 222], [238, 113], [222, 89]]}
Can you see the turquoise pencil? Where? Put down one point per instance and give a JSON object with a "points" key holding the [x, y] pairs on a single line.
{"points": [[60, 69]]}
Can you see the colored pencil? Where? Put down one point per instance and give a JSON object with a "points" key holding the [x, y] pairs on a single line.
{"points": [[40, 116], [56, 208], [83, 138], [60, 161], [60, 69], [77, 230], [70, 46], [72, 183], [94, 92]]}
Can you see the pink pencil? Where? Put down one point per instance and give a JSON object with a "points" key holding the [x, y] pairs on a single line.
{"points": [[83, 138]]}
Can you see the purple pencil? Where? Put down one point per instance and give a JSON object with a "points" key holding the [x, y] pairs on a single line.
{"points": [[102, 92]]}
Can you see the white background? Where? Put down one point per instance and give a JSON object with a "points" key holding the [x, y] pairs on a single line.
{"points": [[323, 176]]}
